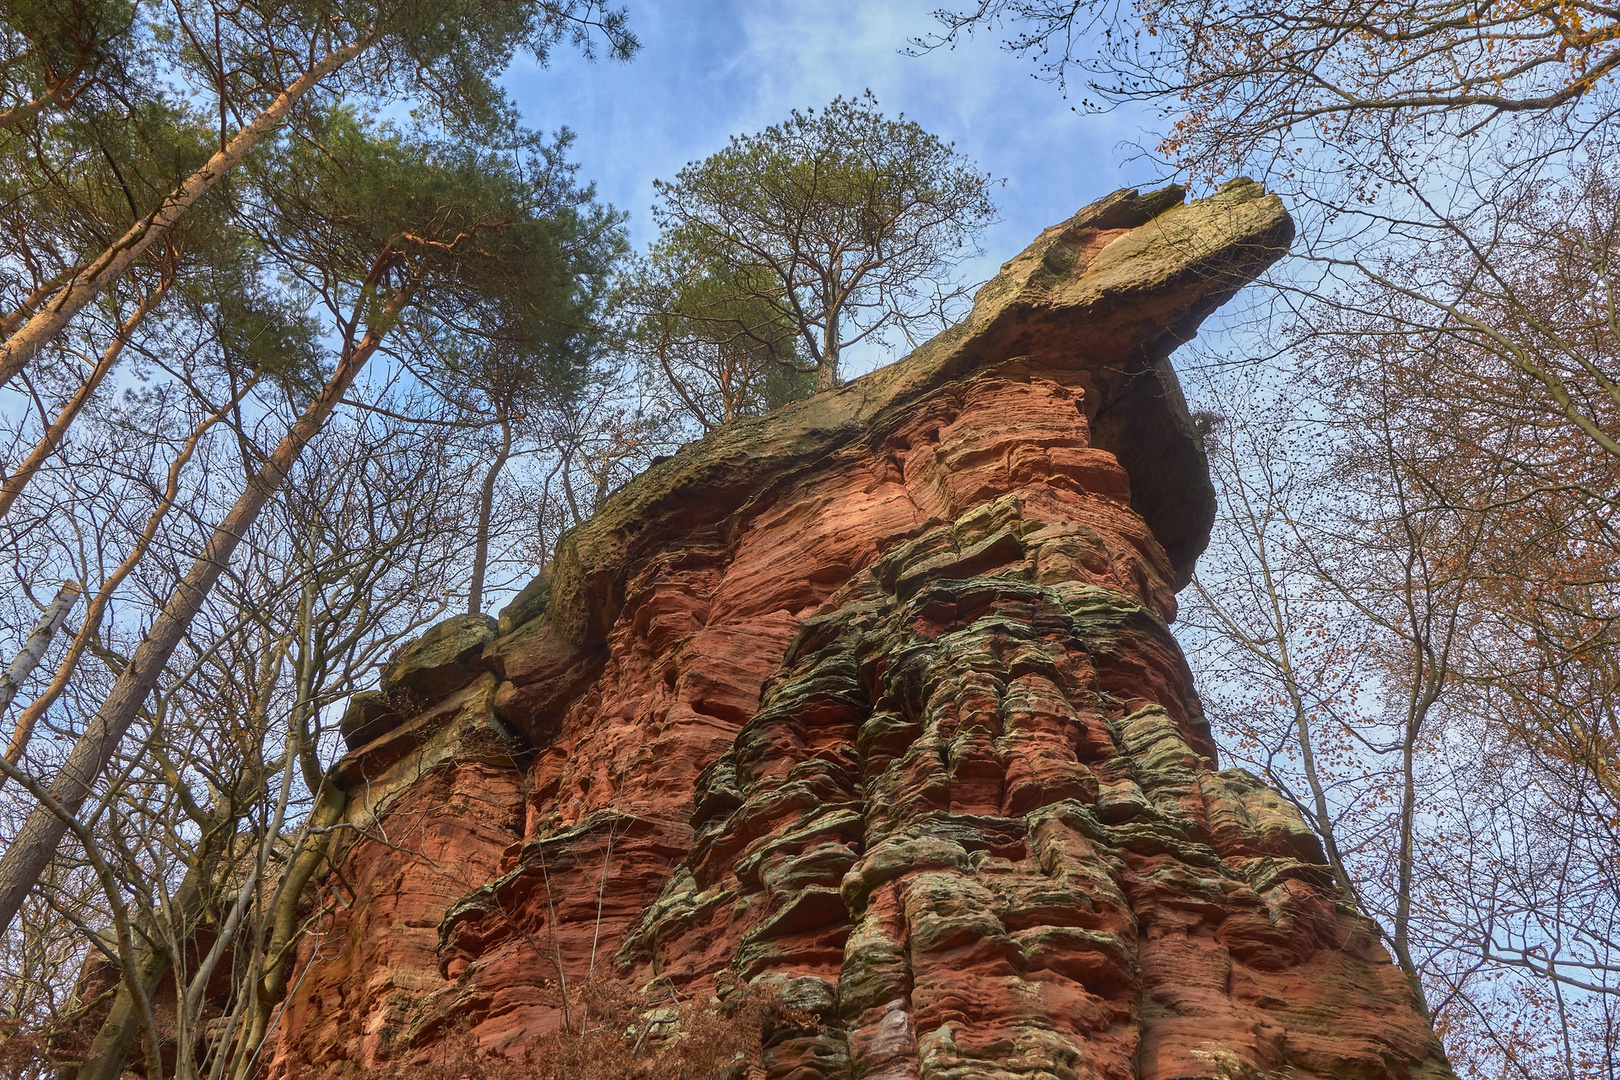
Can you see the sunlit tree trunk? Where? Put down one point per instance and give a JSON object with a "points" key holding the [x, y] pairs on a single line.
{"points": [[57, 429], [40, 329]]}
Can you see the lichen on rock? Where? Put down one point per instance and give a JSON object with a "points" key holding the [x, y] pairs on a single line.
{"points": [[874, 700]]}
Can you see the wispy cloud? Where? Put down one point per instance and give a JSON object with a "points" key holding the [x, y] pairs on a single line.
{"points": [[709, 70]]}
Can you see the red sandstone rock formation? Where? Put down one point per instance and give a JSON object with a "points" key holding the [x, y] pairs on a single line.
{"points": [[874, 700]]}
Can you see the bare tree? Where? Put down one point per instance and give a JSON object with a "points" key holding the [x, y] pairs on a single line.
{"points": [[212, 802], [1432, 501], [383, 249], [1375, 631]]}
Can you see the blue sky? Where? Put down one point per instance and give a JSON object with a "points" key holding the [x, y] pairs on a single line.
{"points": [[709, 69]]}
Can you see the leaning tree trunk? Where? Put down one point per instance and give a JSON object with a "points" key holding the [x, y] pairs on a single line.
{"points": [[33, 649], [23, 345], [36, 842]]}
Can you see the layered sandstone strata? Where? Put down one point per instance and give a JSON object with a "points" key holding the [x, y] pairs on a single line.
{"points": [[874, 699]]}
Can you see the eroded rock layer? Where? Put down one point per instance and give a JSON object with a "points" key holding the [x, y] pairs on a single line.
{"points": [[874, 700]]}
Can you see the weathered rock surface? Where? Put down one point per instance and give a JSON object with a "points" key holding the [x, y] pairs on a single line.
{"points": [[875, 699]]}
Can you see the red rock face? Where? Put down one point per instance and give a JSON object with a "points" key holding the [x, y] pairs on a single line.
{"points": [[894, 722], [372, 967]]}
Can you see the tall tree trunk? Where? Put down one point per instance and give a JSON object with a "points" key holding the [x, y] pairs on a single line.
{"points": [[486, 510], [23, 345], [1401, 939], [36, 842], [285, 930]]}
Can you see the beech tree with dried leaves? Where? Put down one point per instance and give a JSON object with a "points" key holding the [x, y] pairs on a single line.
{"points": [[1406, 618]]}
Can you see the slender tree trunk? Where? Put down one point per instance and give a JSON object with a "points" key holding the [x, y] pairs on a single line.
{"points": [[23, 345], [36, 842], [34, 648], [1403, 889], [110, 1048], [486, 510], [17, 481], [284, 928]]}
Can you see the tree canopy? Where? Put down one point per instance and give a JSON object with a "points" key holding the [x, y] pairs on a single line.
{"points": [[839, 225], [260, 62], [254, 325]]}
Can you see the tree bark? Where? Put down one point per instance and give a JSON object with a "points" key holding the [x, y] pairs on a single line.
{"points": [[34, 648], [827, 370], [36, 842], [284, 928], [486, 510], [23, 345]]}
